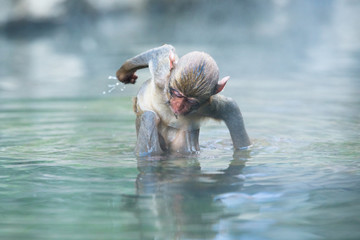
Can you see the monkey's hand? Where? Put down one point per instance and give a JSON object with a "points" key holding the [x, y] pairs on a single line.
{"points": [[126, 76], [226, 109]]}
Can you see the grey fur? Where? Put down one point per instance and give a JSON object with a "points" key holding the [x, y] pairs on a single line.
{"points": [[195, 75]]}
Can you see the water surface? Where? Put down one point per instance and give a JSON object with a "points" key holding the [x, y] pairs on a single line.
{"points": [[67, 167]]}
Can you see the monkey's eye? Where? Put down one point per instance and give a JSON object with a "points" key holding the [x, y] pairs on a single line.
{"points": [[193, 101], [175, 93]]}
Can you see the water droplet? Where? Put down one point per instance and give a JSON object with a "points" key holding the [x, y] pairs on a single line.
{"points": [[111, 87]]}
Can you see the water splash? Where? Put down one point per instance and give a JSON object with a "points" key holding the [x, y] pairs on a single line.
{"points": [[112, 87], [112, 77]]}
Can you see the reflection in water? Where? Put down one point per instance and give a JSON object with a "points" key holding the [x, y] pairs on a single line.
{"points": [[176, 199]]}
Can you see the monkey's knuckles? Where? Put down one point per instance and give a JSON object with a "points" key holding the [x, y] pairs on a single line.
{"points": [[126, 77]]}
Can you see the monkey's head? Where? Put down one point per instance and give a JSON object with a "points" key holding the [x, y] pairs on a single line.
{"points": [[194, 79]]}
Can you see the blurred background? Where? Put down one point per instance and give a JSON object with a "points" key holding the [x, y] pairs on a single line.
{"points": [[67, 135], [56, 48]]}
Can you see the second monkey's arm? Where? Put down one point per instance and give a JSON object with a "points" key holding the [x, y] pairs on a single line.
{"points": [[227, 110]]}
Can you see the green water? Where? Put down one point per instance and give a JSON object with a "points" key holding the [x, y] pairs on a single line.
{"points": [[68, 172], [67, 167]]}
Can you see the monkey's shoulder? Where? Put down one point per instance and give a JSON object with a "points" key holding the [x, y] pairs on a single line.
{"points": [[146, 98]]}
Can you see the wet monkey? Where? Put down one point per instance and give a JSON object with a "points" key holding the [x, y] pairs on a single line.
{"points": [[181, 94]]}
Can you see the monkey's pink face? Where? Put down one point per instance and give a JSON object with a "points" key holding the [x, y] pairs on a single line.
{"points": [[180, 104]]}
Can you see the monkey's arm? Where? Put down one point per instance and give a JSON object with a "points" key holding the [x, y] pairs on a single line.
{"points": [[148, 141], [226, 109], [159, 60]]}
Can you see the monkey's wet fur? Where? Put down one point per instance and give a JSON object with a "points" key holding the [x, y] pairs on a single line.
{"points": [[181, 93]]}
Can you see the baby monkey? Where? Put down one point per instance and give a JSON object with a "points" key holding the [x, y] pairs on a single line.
{"points": [[180, 95]]}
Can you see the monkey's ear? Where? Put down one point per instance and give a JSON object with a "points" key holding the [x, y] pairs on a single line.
{"points": [[172, 59], [221, 84]]}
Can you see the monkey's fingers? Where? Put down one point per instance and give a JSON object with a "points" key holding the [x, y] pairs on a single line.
{"points": [[129, 77], [133, 78]]}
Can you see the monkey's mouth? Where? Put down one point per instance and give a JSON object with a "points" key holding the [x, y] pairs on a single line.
{"points": [[176, 112], [180, 113]]}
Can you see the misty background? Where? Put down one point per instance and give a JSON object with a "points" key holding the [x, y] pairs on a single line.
{"points": [[67, 138], [63, 48]]}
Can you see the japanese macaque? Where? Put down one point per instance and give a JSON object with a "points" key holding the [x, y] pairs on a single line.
{"points": [[181, 94]]}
